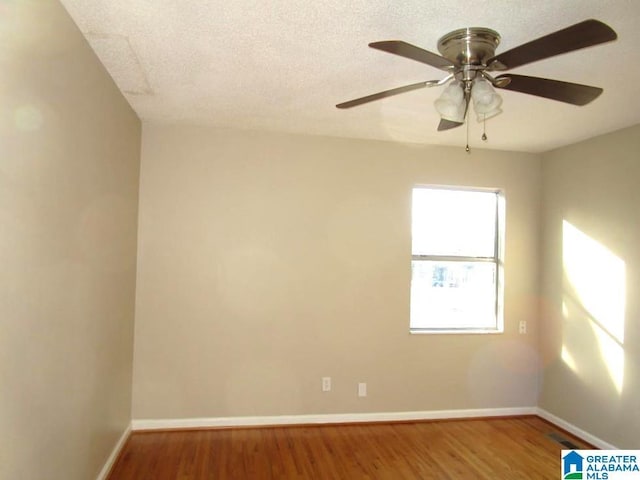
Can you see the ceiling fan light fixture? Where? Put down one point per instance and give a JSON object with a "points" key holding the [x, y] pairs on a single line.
{"points": [[486, 116], [485, 99], [451, 104], [468, 56]]}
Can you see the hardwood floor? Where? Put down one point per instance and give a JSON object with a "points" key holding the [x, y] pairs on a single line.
{"points": [[504, 448]]}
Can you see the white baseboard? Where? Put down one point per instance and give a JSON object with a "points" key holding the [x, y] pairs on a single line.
{"points": [[213, 422], [114, 454], [578, 432], [181, 423]]}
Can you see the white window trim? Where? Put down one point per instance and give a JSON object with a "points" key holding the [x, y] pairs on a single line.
{"points": [[498, 259]]}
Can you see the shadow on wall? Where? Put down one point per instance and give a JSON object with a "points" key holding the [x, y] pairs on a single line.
{"points": [[593, 311]]}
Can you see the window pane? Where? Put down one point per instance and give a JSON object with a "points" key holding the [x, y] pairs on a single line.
{"points": [[453, 222], [453, 294]]}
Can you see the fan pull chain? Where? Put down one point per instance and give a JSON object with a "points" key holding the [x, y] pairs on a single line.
{"points": [[467, 149], [484, 128]]}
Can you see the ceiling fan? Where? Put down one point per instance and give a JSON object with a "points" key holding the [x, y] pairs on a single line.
{"points": [[468, 57]]}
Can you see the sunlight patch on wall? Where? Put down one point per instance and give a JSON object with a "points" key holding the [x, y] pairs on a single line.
{"points": [[568, 359], [598, 280], [612, 353]]}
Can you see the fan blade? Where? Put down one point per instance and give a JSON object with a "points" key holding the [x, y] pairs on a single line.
{"points": [[386, 93], [572, 93], [412, 52], [448, 124], [580, 35]]}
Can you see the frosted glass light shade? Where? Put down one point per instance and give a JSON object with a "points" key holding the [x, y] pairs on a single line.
{"points": [[485, 100], [486, 116], [451, 105]]}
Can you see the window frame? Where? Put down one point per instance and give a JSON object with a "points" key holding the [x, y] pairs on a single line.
{"points": [[497, 259]]}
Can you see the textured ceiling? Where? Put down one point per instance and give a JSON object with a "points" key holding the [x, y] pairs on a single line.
{"points": [[282, 65]]}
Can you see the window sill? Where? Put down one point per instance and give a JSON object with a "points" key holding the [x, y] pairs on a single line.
{"points": [[457, 331]]}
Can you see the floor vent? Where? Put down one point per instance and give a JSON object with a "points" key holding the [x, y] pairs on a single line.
{"points": [[556, 437]]}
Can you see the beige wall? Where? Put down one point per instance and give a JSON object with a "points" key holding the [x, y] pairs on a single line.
{"points": [[267, 261], [68, 210], [591, 313]]}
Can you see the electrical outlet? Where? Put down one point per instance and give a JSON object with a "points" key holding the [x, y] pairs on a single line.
{"points": [[362, 389], [326, 384], [523, 326]]}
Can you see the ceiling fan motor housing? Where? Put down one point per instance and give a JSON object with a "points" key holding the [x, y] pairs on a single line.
{"points": [[469, 49]]}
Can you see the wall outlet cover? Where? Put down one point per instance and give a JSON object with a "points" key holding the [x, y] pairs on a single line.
{"points": [[362, 389]]}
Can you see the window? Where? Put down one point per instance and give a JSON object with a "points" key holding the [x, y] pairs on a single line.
{"points": [[456, 266]]}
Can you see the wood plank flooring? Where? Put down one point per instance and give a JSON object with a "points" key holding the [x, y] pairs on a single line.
{"points": [[501, 448]]}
